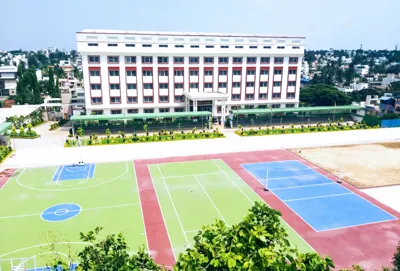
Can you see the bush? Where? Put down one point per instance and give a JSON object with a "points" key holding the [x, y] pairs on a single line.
{"points": [[371, 120], [4, 151]]}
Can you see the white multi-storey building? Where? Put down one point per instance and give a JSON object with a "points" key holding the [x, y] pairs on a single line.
{"points": [[145, 72]]}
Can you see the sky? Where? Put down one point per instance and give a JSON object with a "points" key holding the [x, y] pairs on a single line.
{"points": [[339, 24]]}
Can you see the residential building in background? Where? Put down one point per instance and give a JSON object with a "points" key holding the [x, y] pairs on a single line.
{"points": [[8, 81], [155, 72]]}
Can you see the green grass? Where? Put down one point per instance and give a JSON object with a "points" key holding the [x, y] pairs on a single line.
{"points": [[192, 194], [110, 200]]}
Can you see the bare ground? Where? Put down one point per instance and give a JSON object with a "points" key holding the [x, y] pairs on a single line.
{"points": [[364, 166]]}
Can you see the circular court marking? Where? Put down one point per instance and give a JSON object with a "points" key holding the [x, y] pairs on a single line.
{"points": [[76, 169], [61, 212]]}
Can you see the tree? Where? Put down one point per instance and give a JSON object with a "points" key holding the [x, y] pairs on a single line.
{"points": [[259, 242], [32, 61], [323, 95], [112, 254], [57, 92], [51, 86], [396, 259], [395, 86]]}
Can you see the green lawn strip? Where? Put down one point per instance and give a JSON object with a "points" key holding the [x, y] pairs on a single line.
{"points": [[113, 205], [294, 237]]}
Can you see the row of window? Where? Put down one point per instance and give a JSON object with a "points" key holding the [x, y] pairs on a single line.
{"points": [[193, 60], [194, 85], [193, 46], [181, 98], [193, 72]]}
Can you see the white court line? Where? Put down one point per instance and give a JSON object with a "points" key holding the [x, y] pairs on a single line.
{"points": [[88, 174], [212, 202], [9, 179], [293, 187], [192, 231], [176, 162], [287, 177], [359, 225], [173, 206], [55, 173], [192, 175], [62, 168], [317, 197]]}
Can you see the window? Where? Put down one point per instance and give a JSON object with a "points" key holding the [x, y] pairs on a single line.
{"points": [[162, 60], [237, 60], [178, 60], [97, 112], [208, 73], [193, 60], [130, 73], [115, 100], [194, 85], [178, 72], [289, 105], [164, 99], [179, 99], [147, 73], [209, 46], [94, 73], [194, 46], [130, 45], [97, 100], [148, 99], [223, 72], [178, 85], [114, 86], [277, 84], [262, 96], [276, 106], [146, 45], [133, 111], [94, 59], [253, 47], [250, 84], [224, 46], [163, 110], [265, 60], [93, 44], [194, 73], [264, 72], [296, 47], [131, 86], [292, 83], [263, 84], [147, 59], [209, 60], [249, 96], [278, 60], [276, 95], [235, 97], [290, 95], [179, 46], [130, 59], [281, 47], [292, 71], [163, 73], [278, 72], [237, 72], [221, 85], [179, 109], [116, 111], [95, 86], [149, 110], [113, 59], [163, 86], [239, 47], [132, 100], [163, 45], [223, 60], [251, 60], [236, 84], [267, 47], [208, 85], [113, 73], [112, 45], [293, 60], [148, 86], [251, 72]]}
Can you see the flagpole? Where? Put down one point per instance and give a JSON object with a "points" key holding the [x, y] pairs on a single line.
{"points": [[340, 174], [266, 182]]}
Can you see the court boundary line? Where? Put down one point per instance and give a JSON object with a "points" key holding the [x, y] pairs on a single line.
{"points": [[59, 174], [192, 175], [359, 225], [177, 162], [55, 173], [278, 178], [9, 179], [287, 223], [212, 202], [317, 197], [300, 186], [140, 205], [88, 174]]}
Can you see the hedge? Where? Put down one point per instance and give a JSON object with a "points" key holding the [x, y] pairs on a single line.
{"points": [[4, 152]]}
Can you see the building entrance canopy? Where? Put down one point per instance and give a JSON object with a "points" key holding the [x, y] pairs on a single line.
{"points": [[194, 101], [206, 96]]}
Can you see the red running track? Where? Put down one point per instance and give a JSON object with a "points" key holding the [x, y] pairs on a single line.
{"points": [[371, 246], [5, 175]]}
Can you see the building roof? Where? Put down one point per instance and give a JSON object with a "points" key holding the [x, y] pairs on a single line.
{"points": [[385, 98], [294, 109], [162, 33], [196, 96], [141, 116], [4, 127]]}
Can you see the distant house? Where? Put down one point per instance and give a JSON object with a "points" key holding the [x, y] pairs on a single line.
{"points": [[361, 69], [389, 104]]}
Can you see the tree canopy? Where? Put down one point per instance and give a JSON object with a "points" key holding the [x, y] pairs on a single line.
{"points": [[323, 95]]}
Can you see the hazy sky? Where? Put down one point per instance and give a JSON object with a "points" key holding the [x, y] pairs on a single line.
{"points": [[36, 24]]}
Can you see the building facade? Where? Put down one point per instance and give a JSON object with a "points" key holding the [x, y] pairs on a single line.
{"points": [[153, 72], [8, 80]]}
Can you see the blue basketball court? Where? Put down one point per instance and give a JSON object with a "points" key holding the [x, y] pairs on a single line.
{"points": [[320, 202], [74, 172]]}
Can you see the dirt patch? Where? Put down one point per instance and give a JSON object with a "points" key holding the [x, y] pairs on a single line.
{"points": [[364, 166]]}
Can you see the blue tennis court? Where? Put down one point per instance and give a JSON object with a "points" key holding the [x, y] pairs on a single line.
{"points": [[74, 172], [320, 202]]}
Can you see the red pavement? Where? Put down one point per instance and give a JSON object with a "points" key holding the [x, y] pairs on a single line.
{"points": [[5, 175]]}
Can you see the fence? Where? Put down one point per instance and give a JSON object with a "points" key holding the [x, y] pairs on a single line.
{"points": [[390, 123]]}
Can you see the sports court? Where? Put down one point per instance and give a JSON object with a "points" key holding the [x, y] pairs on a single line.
{"points": [[322, 203], [74, 172]]}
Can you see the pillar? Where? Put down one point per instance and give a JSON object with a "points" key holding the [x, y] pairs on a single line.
{"points": [[223, 113], [194, 106]]}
